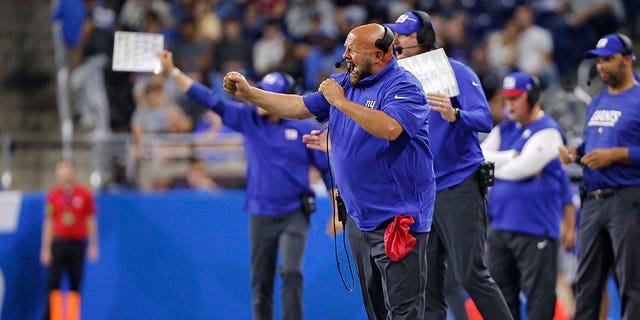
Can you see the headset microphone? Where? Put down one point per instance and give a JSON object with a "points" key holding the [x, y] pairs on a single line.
{"points": [[398, 49], [339, 63]]}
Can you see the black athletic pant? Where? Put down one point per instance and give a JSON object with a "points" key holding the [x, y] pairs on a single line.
{"points": [[390, 290], [458, 232], [521, 262], [284, 235], [609, 236]]}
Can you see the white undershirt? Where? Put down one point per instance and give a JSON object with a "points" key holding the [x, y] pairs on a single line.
{"points": [[540, 149]]}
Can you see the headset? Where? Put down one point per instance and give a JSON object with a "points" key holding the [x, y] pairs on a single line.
{"points": [[627, 47], [426, 34], [386, 41], [533, 94]]}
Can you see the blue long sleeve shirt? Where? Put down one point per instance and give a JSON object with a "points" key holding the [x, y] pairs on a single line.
{"points": [[277, 159], [455, 146]]}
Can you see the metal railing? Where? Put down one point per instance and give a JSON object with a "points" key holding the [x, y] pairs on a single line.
{"points": [[164, 156], [160, 156]]}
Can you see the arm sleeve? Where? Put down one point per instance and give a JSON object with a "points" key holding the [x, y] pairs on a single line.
{"points": [[317, 105], [209, 98], [537, 152], [474, 108], [490, 147], [233, 113], [407, 104], [634, 155]]}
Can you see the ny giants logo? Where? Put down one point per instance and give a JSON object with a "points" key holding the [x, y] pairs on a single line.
{"points": [[605, 118], [370, 104]]}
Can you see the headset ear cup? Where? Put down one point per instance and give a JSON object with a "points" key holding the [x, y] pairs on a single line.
{"points": [[386, 41], [426, 34], [626, 42], [534, 93]]}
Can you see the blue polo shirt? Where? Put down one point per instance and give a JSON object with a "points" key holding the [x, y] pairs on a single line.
{"points": [[534, 205], [377, 178], [613, 121], [277, 159], [455, 146]]}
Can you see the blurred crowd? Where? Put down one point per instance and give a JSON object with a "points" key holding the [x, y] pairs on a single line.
{"points": [[305, 38]]}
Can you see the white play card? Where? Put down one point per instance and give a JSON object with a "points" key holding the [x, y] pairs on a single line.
{"points": [[137, 51], [434, 72]]}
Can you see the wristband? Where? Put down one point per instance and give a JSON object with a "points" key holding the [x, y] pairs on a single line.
{"points": [[174, 73]]}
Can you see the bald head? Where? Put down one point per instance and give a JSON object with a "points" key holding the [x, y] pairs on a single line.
{"points": [[363, 57], [369, 34]]}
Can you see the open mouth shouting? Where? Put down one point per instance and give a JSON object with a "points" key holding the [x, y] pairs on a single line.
{"points": [[352, 68]]}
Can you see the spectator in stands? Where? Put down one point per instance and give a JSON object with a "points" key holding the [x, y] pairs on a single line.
{"points": [[454, 41], [279, 197], [526, 202], [120, 178], [349, 17], [71, 15], [269, 49], [303, 17], [292, 62], [235, 54], [133, 13], [87, 80], [157, 114], [502, 48], [69, 222], [610, 155], [319, 63], [578, 24], [535, 48], [208, 24], [191, 53], [197, 177]]}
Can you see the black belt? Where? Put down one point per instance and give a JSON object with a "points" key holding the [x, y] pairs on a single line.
{"points": [[600, 194]]}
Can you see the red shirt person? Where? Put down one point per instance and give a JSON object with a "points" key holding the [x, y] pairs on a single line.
{"points": [[69, 222]]}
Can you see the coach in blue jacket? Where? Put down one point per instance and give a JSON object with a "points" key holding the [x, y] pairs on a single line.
{"points": [[378, 126], [277, 186], [459, 226], [610, 225]]}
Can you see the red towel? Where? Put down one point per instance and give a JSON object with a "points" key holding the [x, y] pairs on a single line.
{"points": [[397, 240]]}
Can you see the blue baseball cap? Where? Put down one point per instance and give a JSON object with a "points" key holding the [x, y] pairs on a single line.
{"points": [[276, 82], [515, 84], [608, 46], [407, 23]]}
